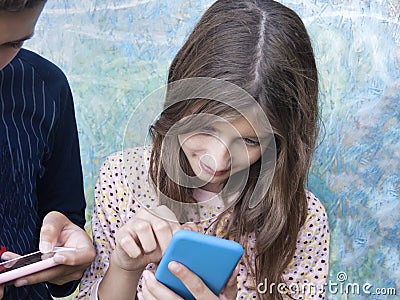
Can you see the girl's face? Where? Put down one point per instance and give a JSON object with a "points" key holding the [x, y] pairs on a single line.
{"points": [[221, 149]]}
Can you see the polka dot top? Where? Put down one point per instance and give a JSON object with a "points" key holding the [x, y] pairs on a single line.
{"points": [[123, 180]]}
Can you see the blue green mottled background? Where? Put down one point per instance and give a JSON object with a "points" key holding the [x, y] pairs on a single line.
{"points": [[117, 52]]}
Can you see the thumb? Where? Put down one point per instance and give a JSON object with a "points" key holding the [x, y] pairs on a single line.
{"points": [[232, 281], [53, 224]]}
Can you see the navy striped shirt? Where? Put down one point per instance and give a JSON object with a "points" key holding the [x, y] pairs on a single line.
{"points": [[40, 167]]}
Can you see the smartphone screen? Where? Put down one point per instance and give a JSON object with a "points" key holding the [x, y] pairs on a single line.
{"points": [[28, 264], [23, 261]]}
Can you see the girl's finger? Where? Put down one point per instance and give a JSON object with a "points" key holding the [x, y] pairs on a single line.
{"points": [[144, 232], [192, 282], [153, 289], [165, 213], [128, 243], [163, 232], [232, 281], [230, 290], [190, 226]]}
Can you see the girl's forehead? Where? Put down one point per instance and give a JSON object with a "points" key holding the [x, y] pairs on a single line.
{"points": [[252, 118], [245, 125]]}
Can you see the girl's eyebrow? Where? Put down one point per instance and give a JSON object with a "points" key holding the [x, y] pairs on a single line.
{"points": [[253, 135], [209, 127]]}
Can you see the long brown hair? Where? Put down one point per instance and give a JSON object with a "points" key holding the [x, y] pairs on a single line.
{"points": [[262, 47]]}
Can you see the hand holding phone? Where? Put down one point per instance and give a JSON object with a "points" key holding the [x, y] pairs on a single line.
{"points": [[211, 258], [28, 264]]}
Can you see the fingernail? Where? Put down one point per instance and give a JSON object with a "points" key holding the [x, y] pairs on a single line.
{"points": [[60, 259], [174, 266], [187, 227], [20, 283], [146, 274], [44, 247], [5, 257]]}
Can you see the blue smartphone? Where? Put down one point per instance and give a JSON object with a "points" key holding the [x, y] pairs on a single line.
{"points": [[211, 258]]}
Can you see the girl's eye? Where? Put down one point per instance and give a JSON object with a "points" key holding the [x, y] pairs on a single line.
{"points": [[251, 142], [208, 128]]}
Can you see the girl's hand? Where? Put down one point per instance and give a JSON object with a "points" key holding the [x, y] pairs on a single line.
{"points": [[144, 239], [153, 289], [140, 241], [230, 290]]}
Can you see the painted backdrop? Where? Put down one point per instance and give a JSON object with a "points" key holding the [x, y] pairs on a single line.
{"points": [[116, 52]]}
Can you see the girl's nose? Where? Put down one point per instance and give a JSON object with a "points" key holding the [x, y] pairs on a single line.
{"points": [[218, 156]]}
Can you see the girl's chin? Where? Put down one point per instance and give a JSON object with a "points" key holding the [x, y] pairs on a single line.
{"points": [[214, 188]]}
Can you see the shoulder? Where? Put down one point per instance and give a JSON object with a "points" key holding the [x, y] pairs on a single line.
{"points": [[123, 180], [314, 234], [44, 75], [316, 210], [129, 158], [47, 70], [129, 164], [310, 263]]}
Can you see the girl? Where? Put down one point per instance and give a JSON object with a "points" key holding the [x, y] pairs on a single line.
{"points": [[210, 163]]}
